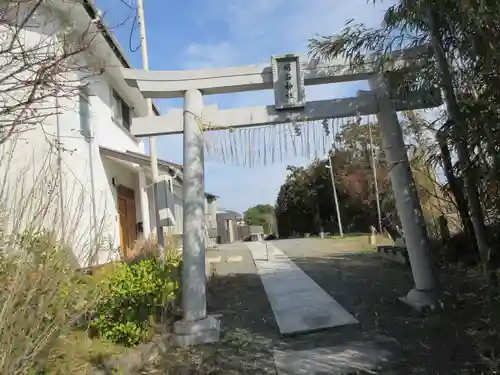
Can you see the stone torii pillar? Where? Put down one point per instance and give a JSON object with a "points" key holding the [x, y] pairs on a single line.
{"points": [[196, 327], [423, 296]]}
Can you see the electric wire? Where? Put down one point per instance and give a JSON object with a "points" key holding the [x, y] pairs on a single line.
{"points": [[133, 27]]}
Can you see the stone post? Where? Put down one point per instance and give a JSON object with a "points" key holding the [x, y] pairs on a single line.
{"points": [[143, 194], [423, 296], [373, 237], [195, 327]]}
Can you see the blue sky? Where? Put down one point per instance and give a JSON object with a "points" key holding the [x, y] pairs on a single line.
{"points": [[195, 34]]}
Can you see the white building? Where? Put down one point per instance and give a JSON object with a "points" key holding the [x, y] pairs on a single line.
{"points": [[100, 175]]}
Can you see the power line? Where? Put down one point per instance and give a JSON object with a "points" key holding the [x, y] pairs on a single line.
{"points": [[131, 35], [133, 27], [124, 2]]}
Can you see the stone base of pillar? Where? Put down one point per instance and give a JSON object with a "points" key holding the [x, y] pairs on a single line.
{"points": [[422, 300], [202, 331]]}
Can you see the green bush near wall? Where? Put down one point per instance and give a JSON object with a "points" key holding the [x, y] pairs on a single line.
{"points": [[135, 295]]}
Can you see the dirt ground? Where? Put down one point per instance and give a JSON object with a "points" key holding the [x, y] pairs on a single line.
{"points": [[450, 342], [462, 339]]}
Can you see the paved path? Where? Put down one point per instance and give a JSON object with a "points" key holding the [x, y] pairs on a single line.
{"points": [[298, 303], [355, 357], [295, 303], [390, 338], [228, 259]]}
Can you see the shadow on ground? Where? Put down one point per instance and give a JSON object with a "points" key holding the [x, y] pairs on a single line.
{"points": [[455, 341]]}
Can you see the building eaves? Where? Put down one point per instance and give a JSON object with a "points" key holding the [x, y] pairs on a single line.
{"points": [[145, 161], [111, 40]]}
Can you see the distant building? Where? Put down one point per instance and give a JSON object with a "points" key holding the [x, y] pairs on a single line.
{"points": [[227, 222], [231, 227]]}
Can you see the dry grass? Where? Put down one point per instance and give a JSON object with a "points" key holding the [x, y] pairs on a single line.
{"points": [[147, 248], [244, 346], [238, 352], [357, 242], [361, 239], [76, 353], [42, 304], [42, 297]]}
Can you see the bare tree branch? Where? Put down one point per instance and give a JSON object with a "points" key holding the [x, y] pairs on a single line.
{"points": [[43, 57]]}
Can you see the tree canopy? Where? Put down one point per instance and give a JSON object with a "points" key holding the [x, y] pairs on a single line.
{"points": [[261, 214], [464, 63], [305, 202]]}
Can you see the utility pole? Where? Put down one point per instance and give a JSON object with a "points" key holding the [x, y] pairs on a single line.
{"points": [[341, 232], [152, 140], [374, 167]]}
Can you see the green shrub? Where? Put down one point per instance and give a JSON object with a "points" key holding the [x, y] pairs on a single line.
{"points": [[41, 299], [135, 294]]}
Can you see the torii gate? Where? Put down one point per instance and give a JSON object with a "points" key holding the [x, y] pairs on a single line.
{"points": [[287, 76]]}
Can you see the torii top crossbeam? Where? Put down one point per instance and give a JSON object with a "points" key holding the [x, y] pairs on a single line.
{"points": [[170, 84], [158, 84]]}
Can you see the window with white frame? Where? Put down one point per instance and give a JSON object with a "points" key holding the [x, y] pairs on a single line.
{"points": [[121, 111]]}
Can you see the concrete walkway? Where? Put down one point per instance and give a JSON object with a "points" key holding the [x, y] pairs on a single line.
{"points": [[255, 277], [227, 260], [298, 303], [359, 357]]}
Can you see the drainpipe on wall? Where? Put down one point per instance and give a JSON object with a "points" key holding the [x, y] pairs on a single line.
{"points": [[90, 141], [89, 138], [59, 166], [143, 191]]}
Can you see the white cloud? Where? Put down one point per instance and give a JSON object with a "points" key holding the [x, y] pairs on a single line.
{"points": [[212, 55], [258, 29]]}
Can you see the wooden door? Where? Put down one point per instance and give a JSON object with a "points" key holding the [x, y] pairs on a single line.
{"points": [[127, 218]]}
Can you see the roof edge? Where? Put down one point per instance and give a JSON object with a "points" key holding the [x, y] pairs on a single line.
{"points": [[91, 10], [135, 157]]}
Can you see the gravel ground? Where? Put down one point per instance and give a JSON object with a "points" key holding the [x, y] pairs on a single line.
{"points": [[454, 341], [234, 293], [366, 286]]}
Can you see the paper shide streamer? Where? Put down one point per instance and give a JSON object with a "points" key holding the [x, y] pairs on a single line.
{"points": [[270, 144]]}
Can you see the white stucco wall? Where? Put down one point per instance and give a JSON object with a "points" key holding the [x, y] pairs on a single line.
{"points": [[174, 205], [178, 207], [108, 133], [211, 213], [33, 162]]}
